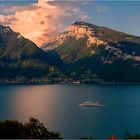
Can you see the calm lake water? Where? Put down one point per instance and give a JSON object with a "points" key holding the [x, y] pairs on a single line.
{"points": [[58, 107]]}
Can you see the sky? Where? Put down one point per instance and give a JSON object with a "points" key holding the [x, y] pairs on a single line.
{"points": [[39, 19]]}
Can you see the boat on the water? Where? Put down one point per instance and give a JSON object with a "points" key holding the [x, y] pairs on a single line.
{"points": [[91, 104]]}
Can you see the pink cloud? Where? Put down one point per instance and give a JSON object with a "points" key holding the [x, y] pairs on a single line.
{"points": [[39, 21]]}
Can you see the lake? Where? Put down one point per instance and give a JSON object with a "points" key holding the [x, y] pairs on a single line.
{"points": [[58, 107]]}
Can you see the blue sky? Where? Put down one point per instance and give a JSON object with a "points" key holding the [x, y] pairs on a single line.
{"points": [[119, 15]]}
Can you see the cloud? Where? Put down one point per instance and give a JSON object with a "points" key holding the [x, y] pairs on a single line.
{"points": [[41, 20], [102, 8]]}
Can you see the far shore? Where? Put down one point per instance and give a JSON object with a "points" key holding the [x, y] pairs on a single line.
{"points": [[74, 82]]}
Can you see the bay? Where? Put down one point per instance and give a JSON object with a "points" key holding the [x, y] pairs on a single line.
{"points": [[57, 106]]}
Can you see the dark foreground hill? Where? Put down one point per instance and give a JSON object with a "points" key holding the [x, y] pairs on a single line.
{"points": [[30, 130]]}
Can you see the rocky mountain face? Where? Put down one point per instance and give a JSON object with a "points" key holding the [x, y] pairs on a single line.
{"points": [[97, 53], [21, 57], [84, 52]]}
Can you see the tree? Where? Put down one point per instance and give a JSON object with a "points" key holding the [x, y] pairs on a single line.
{"points": [[128, 135], [30, 130]]}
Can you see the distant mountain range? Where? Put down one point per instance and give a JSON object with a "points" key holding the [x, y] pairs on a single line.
{"points": [[85, 52]]}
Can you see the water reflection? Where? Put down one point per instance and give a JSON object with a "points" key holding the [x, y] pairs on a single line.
{"points": [[58, 107], [35, 101]]}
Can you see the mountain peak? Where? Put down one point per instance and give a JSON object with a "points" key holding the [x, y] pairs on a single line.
{"points": [[5, 29], [82, 23], [79, 23], [79, 30]]}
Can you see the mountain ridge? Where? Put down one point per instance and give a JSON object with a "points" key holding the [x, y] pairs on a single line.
{"points": [[85, 52], [113, 55], [20, 57], [96, 35]]}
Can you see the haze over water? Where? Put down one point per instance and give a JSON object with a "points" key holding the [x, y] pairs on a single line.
{"points": [[58, 107]]}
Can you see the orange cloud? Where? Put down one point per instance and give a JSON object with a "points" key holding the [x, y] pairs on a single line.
{"points": [[44, 19]]}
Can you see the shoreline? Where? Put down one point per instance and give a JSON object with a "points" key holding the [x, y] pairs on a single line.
{"points": [[68, 82]]}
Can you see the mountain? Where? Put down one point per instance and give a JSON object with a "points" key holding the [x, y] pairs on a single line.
{"points": [[97, 53], [85, 52], [19, 57]]}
